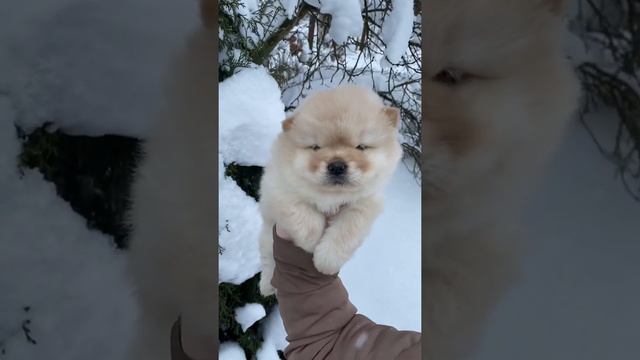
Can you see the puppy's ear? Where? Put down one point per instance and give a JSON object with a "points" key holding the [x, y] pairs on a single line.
{"points": [[393, 115], [287, 123]]}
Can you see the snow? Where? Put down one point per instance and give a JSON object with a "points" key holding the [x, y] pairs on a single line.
{"points": [[248, 314], [579, 292], [239, 228], [247, 7], [391, 255], [250, 114], [91, 66], [231, 351], [397, 29], [274, 336], [289, 7], [267, 351], [57, 278], [346, 18]]}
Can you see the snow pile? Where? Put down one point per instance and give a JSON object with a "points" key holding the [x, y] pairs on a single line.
{"points": [[250, 115], [268, 351], [239, 227], [231, 351], [346, 18], [63, 286], [274, 336], [248, 314], [397, 29], [92, 67]]}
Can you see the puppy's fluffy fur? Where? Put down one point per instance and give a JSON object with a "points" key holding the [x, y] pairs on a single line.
{"points": [[498, 93], [348, 126], [173, 244]]}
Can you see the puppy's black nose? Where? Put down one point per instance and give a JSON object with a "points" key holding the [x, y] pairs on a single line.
{"points": [[337, 168]]}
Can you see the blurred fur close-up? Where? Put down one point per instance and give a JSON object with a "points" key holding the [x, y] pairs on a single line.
{"points": [[517, 177]]}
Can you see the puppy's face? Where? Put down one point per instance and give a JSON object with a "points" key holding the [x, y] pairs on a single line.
{"points": [[497, 88], [343, 140]]}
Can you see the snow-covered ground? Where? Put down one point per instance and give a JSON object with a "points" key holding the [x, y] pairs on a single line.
{"points": [[579, 295], [63, 293], [383, 278]]}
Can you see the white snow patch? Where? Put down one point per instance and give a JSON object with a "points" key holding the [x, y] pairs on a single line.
{"points": [[247, 7], [231, 351], [397, 29], [346, 18], [274, 338], [289, 7], [394, 299], [90, 67], [248, 314], [274, 329], [250, 115], [267, 351], [239, 228]]}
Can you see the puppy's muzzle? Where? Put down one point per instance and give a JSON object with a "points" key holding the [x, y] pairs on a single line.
{"points": [[337, 172]]}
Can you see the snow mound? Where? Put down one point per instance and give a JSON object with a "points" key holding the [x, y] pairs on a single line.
{"points": [[250, 115], [239, 227], [91, 67], [274, 336], [248, 315], [397, 29], [231, 351], [346, 18]]}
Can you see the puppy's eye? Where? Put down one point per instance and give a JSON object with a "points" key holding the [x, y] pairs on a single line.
{"points": [[314, 147], [362, 147], [450, 77]]}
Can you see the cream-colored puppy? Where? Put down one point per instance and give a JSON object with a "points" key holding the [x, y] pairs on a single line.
{"points": [[332, 159]]}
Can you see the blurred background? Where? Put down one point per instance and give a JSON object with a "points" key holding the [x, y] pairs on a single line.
{"points": [[578, 295]]}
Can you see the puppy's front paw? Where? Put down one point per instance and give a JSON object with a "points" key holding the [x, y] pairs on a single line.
{"points": [[266, 289], [307, 235], [327, 259]]}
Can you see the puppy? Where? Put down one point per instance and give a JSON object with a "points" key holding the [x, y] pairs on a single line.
{"points": [[498, 94], [332, 159], [173, 243]]}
